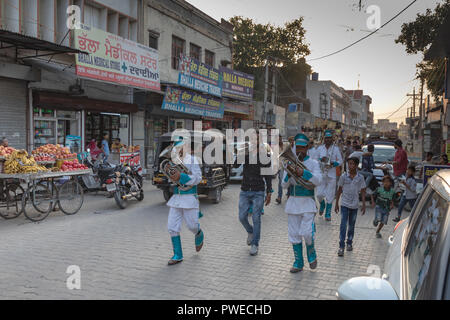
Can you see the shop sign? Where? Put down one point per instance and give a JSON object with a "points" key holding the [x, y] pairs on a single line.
{"points": [[200, 77], [114, 59], [236, 84], [193, 103], [125, 157], [429, 171], [237, 108]]}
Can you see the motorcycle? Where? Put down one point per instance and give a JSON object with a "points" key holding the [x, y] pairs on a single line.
{"points": [[102, 177], [129, 183]]}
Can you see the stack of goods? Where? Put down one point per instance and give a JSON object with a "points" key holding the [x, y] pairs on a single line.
{"points": [[20, 162], [58, 152], [5, 152], [44, 158], [72, 165]]}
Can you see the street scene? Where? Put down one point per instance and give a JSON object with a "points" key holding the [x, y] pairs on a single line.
{"points": [[197, 150]]}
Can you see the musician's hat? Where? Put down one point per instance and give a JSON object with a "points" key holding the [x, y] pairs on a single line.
{"points": [[301, 140], [328, 134]]}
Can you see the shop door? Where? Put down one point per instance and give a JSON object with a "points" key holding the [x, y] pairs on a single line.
{"points": [[13, 108]]}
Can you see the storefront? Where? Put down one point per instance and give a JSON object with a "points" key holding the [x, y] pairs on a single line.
{"points": [[60, 119]]}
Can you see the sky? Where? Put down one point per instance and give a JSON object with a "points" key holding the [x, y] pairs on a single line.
{"points": [[385, 71]]}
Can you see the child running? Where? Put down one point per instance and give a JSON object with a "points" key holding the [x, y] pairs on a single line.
{"points": [[384, 203]]}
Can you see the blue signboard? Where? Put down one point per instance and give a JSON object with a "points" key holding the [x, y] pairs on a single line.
{"points": [[193, 103], [237, 85], [430, 170], [200, 77]]}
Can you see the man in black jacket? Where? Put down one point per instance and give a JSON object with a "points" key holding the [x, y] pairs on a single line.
{"points": [[255, 187]]}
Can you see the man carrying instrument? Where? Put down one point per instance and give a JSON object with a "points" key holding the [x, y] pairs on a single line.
{"points": [[184, 204], [330, 157], [301, 205]]}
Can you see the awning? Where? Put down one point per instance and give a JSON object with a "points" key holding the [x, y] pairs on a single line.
{"points": [[21, 41], [43, 99]]}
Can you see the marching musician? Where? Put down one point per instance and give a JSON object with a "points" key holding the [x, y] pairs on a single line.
{"points": [[184, 205], [330, 157], [301, 206]]}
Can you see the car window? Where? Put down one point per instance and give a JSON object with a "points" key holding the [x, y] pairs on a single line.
{"points": [[421, 244]]}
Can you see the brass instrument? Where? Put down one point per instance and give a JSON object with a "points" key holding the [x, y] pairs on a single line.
{"points": [[291, 162], [169, 167]]}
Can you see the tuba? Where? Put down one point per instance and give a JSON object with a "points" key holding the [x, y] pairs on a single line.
{"points": [[291, 162], [169, 167]]}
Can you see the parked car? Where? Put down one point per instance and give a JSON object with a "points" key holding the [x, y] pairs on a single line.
{"points": [[417, 266]]}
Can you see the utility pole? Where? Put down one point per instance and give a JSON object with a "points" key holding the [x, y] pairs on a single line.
{"points": [[266, 89], [422, 113], [414, 101]]}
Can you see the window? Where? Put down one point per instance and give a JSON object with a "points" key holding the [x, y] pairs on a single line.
{"points": [[422, 241], [153, 40], [196, 52], [178, 46], [209, 58]]}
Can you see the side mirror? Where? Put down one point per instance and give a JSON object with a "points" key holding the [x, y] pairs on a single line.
{"points": [[366, 288]]}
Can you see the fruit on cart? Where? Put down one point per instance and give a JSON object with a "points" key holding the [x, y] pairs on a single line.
{"points": [[6, 151], [44, 158], [20, 162], [72, 165], [57, 151]]}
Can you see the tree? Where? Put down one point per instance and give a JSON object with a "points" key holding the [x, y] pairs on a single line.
{"points": [[417, 36], [253, 43]]}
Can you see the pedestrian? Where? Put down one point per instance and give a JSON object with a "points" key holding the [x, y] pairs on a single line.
{"points": [[428, 161], [410, 194], [280, 173], [4, 142], [254, 189], [330, 158], [400, 159], [184, 204], [301, 206], [351, 184], [444, 160], [357, 153], [384, 203], [368, 165], [105, 146]]}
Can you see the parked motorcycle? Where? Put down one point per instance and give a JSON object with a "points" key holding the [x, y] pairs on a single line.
{"points": [[129, 183], [102, 177]]}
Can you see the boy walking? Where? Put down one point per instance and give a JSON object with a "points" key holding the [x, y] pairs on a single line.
{"points": [[350, 185], [384, 204], [410, 194]]}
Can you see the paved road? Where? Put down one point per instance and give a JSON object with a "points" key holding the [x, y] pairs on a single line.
{"points": [[123, 254]]}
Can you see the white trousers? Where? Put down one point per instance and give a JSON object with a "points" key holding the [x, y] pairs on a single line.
{"points": [[327, 189], [301, 226], [176, 216]]}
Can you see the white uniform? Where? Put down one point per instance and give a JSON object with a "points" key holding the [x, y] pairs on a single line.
{"points": [[327, 188], [312, 153], [185, 205], [301, 207]]}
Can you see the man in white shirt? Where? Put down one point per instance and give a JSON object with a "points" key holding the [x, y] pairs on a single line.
{"points": [[327, 189], [301, 207], [185, 204]]}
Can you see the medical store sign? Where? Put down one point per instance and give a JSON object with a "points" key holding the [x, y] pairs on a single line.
{"points": [[185, 101], [114, 59], [236, 84], [200, 77]]}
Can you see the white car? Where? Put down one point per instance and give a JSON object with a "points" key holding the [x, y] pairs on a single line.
{"points": [[417, 265]]}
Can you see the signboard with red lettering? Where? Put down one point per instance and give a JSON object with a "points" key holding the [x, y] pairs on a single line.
{"points": [[133, 158], [114, 59]]}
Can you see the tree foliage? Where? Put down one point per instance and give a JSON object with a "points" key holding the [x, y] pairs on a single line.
{"points": [[254, 42], [417, 36]]}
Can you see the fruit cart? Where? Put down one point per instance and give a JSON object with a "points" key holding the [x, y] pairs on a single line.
{"points": [[37, 194]]}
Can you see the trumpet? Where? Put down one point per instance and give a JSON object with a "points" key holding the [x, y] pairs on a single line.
{"points": [[169, 167], [291, 163]]}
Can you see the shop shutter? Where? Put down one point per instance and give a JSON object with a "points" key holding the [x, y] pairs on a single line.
{"points": [[13, 112]]}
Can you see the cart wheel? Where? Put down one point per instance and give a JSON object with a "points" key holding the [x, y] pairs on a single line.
{"points": [[38, 202], [12, 205], [70, 197], [50, 185]]}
